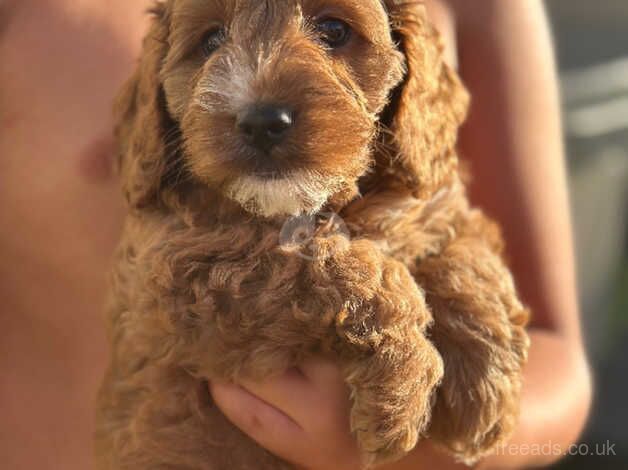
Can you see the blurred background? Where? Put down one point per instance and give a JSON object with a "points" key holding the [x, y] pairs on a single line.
{"points": [[592, 44]]}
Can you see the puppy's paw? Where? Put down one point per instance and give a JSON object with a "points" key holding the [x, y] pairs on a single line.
{"points": [[478, 401], [479, 330], [392, 394], [392, 369]]}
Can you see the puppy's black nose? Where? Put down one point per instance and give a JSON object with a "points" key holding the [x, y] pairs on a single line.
{"points": [[265, 126]]}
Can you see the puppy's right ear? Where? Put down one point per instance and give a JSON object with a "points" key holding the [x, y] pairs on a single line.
{"points": [[142, 120]]}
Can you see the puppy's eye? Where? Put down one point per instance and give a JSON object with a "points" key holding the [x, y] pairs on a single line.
{"points": [[334, 33], [212, 40]]}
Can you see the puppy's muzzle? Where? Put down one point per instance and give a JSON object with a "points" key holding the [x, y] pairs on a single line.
{"points": [[265, 126]]}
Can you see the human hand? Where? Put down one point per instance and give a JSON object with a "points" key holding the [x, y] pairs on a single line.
{"points": [[301, 416]]}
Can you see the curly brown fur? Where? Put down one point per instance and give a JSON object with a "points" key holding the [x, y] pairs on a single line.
{"points": [[418, 306]]}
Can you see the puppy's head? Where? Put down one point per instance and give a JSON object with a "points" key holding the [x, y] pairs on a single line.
{"points": [[278, 103]]}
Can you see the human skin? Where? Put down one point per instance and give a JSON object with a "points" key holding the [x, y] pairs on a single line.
{"points": [[62, 63]]}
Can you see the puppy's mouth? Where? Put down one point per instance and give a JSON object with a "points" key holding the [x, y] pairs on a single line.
{"points": [[290, 194], [266, 166]]}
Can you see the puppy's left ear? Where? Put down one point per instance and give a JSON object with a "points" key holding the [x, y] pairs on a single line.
{"points": [[142, 121], [427, 109]]}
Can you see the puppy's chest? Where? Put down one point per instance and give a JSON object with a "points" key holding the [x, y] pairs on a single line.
{"points": [[237, 266], [247, 265]]}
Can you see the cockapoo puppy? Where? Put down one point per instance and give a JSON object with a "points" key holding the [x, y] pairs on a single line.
{"points": [[339, 118]]}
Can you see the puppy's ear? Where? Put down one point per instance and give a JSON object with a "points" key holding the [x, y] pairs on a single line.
{"points": [[427, 108], [142, 121]]}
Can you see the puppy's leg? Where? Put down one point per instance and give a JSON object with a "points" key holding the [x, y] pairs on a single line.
{"points": [[391, 368], [479, 329]]}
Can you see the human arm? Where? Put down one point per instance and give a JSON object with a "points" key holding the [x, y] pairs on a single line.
{"points": [[513, 140]]}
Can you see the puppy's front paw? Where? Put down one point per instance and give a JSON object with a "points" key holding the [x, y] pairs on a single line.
{"points": [[392, 369], [392, 394], [479, 330], [478, 400]]}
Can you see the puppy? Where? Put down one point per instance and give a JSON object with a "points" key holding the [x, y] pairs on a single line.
{"points": [[247, 116]]}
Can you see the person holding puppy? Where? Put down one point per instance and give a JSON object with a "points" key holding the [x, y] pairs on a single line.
{"points": [[61, 211]]}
